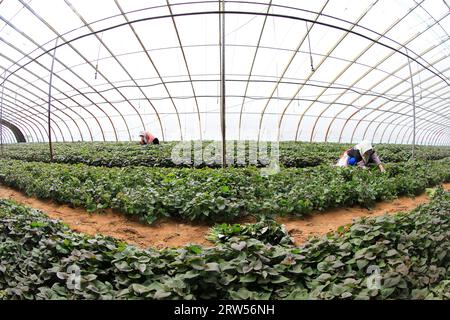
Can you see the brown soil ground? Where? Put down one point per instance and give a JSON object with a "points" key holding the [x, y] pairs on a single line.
{"points": [[170, 233], [321, 223]]}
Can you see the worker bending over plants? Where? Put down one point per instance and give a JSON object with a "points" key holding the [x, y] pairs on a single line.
{"points": [[147, 138], [361, 155]]}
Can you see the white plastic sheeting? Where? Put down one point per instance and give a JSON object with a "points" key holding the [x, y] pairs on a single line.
{"points": [[323, 70]]}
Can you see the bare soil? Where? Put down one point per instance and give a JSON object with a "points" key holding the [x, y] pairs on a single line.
{"points": [[321, 223], [172, 233]]}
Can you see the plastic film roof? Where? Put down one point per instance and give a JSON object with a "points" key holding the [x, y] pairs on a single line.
{"points": [[323, 70]]}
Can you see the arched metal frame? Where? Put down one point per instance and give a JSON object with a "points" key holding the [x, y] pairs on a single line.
{"points": [[14, 130], [371, 88], [433, 124], [358, 79], [8, 135]]}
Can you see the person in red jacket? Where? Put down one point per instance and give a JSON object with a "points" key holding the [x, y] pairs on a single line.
{"points": [[148, 138]]}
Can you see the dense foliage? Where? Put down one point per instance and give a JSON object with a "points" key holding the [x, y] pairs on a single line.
{"points": [[292, 154], [265, 230], [410, 252], [218, 194]]}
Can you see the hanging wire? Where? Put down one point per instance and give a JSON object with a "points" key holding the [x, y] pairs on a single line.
{"points": [[278, 94], [98, 56], [244, 24], [274, 40], [420, 83], [309, 46], [413, 105]]}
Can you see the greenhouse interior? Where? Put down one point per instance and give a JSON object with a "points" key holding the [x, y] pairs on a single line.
{"points": [[225, 150]]}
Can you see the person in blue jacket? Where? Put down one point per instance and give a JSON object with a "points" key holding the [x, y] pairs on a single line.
{"points": [[361, 155]]}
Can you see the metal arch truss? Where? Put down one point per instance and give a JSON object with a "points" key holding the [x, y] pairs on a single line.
{"points": [[14, 133], [8, 136], [24, 106]]}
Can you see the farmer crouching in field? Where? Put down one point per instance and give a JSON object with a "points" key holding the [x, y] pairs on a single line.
{"points": [[361, 155], [147, 138]]}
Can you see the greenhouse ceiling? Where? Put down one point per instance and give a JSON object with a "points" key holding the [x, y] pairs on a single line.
{"points": [[323, 70]]}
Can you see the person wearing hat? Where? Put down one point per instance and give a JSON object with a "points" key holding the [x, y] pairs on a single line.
{"points": [[147, 138], [361, 155]]}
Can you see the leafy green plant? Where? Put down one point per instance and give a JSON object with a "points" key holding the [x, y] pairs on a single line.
{"points": [[124, 154], [265, 230], [218, 195], [410, 250]]}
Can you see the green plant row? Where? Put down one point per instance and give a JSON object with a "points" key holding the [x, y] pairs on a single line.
{"points": [[404, 256], [218, 194], [291, 154], [265, 230]]}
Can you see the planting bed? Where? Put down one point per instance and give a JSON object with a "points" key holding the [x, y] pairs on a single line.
{"points": [[292, 154], [172, 233], [218, 194], [409, 250], [156, 230]]}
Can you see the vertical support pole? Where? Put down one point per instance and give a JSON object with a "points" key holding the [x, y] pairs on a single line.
{"points": [[1, 113], [49, 102], [224, 142], [222, 82], [414, 107]]}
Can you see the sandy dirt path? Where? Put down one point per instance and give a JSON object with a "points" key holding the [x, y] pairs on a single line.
{"points": [[171, 233]]}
